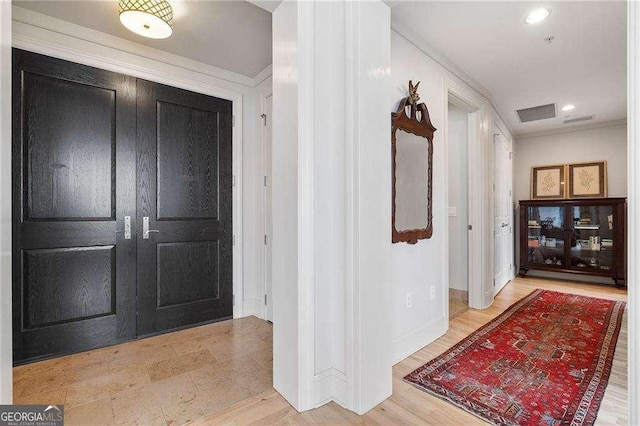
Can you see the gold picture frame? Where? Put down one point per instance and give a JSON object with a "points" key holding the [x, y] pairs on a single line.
{"points": [[548, 182], [587, 180]]}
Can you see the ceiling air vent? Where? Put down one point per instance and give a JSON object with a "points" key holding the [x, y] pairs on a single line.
{"points": [[578, 119], [537, 113]]}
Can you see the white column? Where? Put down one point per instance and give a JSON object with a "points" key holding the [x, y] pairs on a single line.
{"points": [[368, 165], [633, 232], [291, 343], [5, 204], [332, 203]]}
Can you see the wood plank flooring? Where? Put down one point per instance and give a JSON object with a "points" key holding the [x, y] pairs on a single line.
{"points": [[163, 380], [409, 405], [221, 374]]}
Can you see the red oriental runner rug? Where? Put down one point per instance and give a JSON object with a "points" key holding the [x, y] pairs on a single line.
{"points": [[544, 361]]}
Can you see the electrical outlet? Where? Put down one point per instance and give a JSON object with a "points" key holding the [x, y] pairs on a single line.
{"points": [[409, 300], [453, 212], [433, 292]]}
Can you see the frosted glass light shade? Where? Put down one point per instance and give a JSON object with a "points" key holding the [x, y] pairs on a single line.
{"points": [[148, 18], [537, 15]]}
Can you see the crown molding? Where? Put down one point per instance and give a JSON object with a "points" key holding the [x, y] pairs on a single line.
{"points": [[45, 22], [268, 5], [582, 127], [415, 39], [262, 75]]}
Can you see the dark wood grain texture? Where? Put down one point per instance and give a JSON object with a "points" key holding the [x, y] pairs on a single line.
{"points": [[184, 187], [187, 272], [188, 163], [616, 256], [69, 143], [89, 148], [63, 285], [71, 125]]}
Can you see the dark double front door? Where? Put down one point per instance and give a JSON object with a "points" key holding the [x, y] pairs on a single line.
{"points": [[99, 158]]}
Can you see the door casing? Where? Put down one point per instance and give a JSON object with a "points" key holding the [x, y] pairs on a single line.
{"points": [[123, 204]]}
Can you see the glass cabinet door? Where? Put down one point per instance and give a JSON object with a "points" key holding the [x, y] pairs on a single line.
{"points": [[592, 238], [545, 226]]}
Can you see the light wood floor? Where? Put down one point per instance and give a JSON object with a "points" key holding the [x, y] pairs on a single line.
{"points": [[457, 308], [163, 380], [408, 405], [192, 375]]}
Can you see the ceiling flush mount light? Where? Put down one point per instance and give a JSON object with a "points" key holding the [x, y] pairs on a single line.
{"points": [[537, 15], [149, 18], [568, 107]]}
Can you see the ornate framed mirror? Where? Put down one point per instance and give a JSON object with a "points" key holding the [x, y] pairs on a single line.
{"points": [[412, 170]]}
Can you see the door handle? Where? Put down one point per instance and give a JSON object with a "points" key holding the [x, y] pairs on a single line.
{"points": [[145, 228], [504, 225]]}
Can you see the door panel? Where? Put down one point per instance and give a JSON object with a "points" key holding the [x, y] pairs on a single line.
{"points": [[502, 212], [69, 127], [197, 263], [188, 166], [73, 270], [83, 290], [184, 185]]}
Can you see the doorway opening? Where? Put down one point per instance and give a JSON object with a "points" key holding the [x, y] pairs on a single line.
{"points": [[503, 246], [457, 147], [468, 176]]}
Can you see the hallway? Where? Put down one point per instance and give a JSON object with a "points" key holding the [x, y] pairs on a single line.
{"points": [[408, 405]]}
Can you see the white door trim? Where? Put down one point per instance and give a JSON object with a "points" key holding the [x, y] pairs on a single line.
{"points": [[633, 235], [266, 94], [463, 96], [500, 138], [78, 45], [6, 341]]}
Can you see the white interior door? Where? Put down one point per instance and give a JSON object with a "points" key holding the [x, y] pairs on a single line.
{"points": [[268, 212], [503, 227]]}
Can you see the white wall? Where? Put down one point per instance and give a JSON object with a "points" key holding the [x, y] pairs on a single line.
{"points": [[5, 204], [457, 174], [368, 159], [596, 144], [416, 268], [331, 193], [253, 198], [286, 341], [591, 144]]}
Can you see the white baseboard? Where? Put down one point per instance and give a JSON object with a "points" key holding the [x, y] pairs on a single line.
{"points": [[414, 340], [330, 385], [252, 307]]}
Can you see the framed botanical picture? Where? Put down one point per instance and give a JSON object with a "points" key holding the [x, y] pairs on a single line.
{"points": [[588, 180], [548, 182]]}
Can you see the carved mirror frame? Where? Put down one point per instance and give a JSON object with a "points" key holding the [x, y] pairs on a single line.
{"points": [[419, 124]]}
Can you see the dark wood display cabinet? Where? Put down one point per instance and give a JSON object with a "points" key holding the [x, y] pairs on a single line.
{"points": [[585, 236]]}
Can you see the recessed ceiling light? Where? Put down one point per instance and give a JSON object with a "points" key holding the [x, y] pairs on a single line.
{"points": [[537, 15], [568, 107]]}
